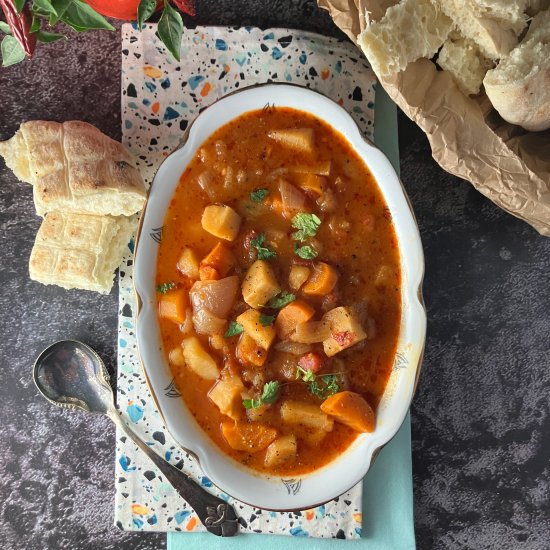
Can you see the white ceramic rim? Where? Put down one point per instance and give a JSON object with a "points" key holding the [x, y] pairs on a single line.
{"points": [[334, 479]]}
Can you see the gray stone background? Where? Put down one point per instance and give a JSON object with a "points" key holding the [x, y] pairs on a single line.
{"points": [[480, 418]]}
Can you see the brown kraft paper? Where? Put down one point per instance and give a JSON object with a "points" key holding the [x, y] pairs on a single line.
{"points": [[468, 138]]}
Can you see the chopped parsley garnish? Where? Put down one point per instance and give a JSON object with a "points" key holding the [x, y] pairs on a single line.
{"points": [[233, 329], [163, 288], [327, 387], [307, 226], [281, 300], [259, 195], [264, 253], [306, 252], [269, 395], [320, 386], [266, 320]]}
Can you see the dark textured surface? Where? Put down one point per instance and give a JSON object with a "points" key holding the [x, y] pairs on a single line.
{"points": [[481, 419]]}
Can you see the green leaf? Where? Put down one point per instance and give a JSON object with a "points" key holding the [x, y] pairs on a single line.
{"points": [[170, 29], [43, 7], [233, 329], [281, 300], [264, 253], [145, 9], [59, 8], [259, 195], [163, 288], [36, 23], [252, 403], [12, 51], [307, 225], [47, 37], [82, 17], [4, 27], [306, 252], [325, 386], [270, 392], [19, 5], [266, 320]]}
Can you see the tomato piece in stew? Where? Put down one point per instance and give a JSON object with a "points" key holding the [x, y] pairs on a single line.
{"points": [[279, 291]]}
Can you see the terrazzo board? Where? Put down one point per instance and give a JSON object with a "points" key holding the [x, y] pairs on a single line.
{"points": [[480, 418]]}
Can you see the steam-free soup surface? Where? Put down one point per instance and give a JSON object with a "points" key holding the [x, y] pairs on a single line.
{"points": [[279, 291]]}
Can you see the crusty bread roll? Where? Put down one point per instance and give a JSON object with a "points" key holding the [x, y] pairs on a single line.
{"points": [[463, 59], [492, 38], [519, 87], [407, 32], [73, 166], [80, 251]]}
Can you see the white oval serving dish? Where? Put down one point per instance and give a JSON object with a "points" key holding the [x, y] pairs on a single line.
{"points": [[343, 473]]}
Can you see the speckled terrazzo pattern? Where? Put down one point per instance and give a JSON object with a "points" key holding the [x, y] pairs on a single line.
{"points": [[480, 418], [160, 98]]}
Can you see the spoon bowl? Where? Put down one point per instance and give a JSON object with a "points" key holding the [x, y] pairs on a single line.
{"points": [[71, 374]]}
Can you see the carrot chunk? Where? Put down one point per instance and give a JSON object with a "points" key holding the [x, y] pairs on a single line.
{"points": [[251, 437], [217, 264], [173, 304], [249, 352], [321, 281], [291, 316], [351, 409]]}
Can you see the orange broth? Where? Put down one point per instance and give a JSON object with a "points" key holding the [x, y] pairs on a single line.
{"points": [[356, 237]]}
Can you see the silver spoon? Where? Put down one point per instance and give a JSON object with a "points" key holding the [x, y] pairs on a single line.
{"points": [[70, 374]]}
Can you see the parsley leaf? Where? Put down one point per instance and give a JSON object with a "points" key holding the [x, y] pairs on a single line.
{"points": [[281, 300], [258, 195], [163, 288], [264, 253], [233, 329], [328, 386], [269, 395], [305, 375], [320, 386], [307, 225], [266, 320], [306, 252]]}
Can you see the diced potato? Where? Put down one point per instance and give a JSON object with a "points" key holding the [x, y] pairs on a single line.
{"points": [[259, 284], [188, 264], [226, 395], [221, 221], [291, 316], [345, 330], [321, 168], [321, 281], [249, 352], [282, 450], [307, 414], [312, 183], [251, 437], [250, 320], [254, 415], [311, 332], [175, 357], [173, 305], [198, 359], [299, 274], [351, 409], [299, 139], [218, 263]]}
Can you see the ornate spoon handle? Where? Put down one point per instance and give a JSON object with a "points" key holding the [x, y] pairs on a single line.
{"points": [[216, 515]]}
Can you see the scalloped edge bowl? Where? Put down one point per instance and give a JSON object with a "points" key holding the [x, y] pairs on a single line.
{"points": [[334, 479]]}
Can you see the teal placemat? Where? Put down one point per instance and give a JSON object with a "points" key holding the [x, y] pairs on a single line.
{"points": [[388, 522]]}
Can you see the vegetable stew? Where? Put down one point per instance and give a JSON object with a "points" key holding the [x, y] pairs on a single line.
{"points": [[279, 291]]}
